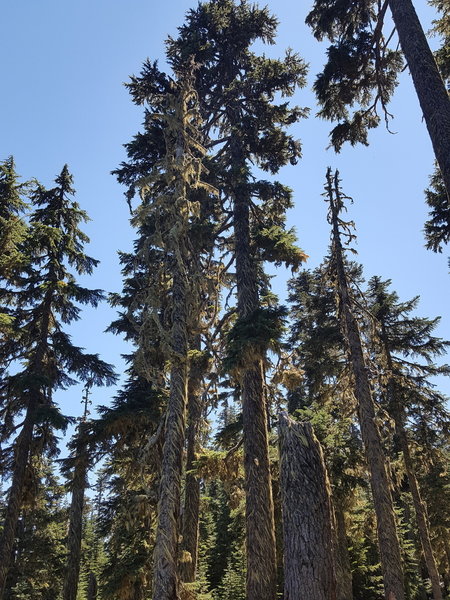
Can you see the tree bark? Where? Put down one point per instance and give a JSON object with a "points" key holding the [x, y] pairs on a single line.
{"points": [[165, 581], [343, 566], [72, 574], [191, 509], [22, 453], [391, 563], [421, 514], [92, 587], [260, 526], [309, 566], [430, 88]]}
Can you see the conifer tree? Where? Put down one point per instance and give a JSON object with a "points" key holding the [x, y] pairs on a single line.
{"points": [[362, 70], [46, 299], [236, 90], [380, 483], [13, 230], [400, 336], [38, 561]]}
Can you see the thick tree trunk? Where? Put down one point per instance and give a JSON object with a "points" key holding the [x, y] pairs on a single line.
{"points": [[72, 573], [343, 566], [165, 582], [430, 88], [191, 509], [391, 563], [22, 453], [421, 514], [260, 526], [309, 568]]}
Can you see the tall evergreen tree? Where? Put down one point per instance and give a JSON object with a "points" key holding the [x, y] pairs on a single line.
{"points": [[236, 90], [46, 299], [380, 483]]}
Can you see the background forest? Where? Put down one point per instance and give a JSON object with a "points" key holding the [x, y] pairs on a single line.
{"points": [[242, 393]]}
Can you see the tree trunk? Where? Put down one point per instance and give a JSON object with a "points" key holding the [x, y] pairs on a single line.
{"points": [[430, 88], [92, 587], [309, 568], [191, 510], [72, 574], [421, 514], [165, 582], [260, 526], [391, 563], [22, 453], [343, 566]]}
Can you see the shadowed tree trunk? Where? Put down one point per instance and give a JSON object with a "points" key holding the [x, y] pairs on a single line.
{"points": [[391, 563], [421, 513], [343, 565], [430, 88], [191, 510], [92, 587], [21, 457], [79, 483], [309, 567]]}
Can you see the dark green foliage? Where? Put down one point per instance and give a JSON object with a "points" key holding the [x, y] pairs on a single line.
{"points": [[254, 335], [39, 555], [46, 297], [361, 72], [437, 228]]}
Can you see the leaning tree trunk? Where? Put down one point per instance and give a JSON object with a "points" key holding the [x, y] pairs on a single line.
{"points": [[21, 457], [259, 511], [191, 509], [79, 482], [309, 567], [391, 562], [430, 88]]}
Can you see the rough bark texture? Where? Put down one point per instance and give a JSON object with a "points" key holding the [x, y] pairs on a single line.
{"points": [[391, 563], [430, 88], [15, 496], [92, 587], [191, 509], [72, 573], [260, 526], [165, 583], [309, 569], [343, 566], [421, 515]]}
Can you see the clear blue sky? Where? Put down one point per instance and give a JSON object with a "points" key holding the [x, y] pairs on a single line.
{"points": [[62, 101]]}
